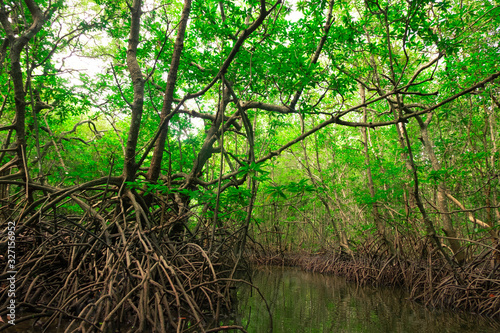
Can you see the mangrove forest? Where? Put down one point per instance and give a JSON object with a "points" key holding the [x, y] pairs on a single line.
{"points": [[154, 152]]}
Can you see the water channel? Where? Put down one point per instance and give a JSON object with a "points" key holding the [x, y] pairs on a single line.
{"points": [[308, 302]]}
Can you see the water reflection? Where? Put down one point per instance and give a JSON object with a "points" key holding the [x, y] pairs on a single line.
{"points": [[308, 302]]}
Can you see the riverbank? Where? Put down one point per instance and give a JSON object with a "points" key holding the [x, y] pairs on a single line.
{"points": [[473, 287]]}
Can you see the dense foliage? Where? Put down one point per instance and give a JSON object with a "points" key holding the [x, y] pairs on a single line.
{"points": [[158, 130]]}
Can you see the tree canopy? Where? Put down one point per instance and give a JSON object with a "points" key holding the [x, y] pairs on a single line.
{"points": [[140, 123]]}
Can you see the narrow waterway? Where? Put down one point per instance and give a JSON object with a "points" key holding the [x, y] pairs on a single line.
{"points": [[309, 302]]}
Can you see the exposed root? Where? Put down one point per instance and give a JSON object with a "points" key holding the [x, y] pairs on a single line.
{"points": [[116, 271], [429, 280]]}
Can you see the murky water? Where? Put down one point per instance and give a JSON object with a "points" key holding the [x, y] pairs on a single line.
{"points": [[307, 302]]}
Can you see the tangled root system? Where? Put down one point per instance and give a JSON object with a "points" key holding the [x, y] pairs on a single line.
{"points": [[117, 272]]}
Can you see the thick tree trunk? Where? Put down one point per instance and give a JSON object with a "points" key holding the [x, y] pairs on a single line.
{"points": [[166, 111], [130, 166], [17, 45]]}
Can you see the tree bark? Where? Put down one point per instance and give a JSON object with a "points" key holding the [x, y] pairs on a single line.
{"points": [[130, 166], [166, 111], [17, 44]]}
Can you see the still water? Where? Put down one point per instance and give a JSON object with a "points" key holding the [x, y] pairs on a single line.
{"points": [[309, 302]]}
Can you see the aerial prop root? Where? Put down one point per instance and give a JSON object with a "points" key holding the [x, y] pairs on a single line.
{"points": [[106, 270]]}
